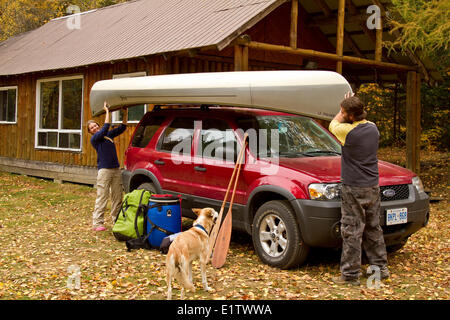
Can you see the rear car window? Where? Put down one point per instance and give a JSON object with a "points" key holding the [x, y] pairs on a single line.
{"points": [[217, 140], [146, 130], [178, 136]]}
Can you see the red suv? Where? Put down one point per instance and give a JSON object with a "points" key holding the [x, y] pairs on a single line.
{"points": [[288, 195]]}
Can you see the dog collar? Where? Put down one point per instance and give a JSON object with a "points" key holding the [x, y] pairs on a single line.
{"points": [[202, 228]]}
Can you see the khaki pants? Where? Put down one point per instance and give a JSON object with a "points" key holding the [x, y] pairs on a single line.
{"points": [[109, 183]]}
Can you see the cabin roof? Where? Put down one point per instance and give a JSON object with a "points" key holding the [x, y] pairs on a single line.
{"points": [[141, 28], [128, 30]]}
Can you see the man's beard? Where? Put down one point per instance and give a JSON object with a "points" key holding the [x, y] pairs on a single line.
{"points": [[347, 120]]}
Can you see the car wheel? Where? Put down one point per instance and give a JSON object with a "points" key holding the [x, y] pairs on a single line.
{"points": [[147, 186], [276, 236]]}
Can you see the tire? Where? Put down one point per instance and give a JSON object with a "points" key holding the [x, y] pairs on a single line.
{"points": [[276, 236], [147, 186]]}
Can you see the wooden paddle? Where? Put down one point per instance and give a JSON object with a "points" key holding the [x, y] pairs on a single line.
{"points": [[215, 230], [224, 236]]}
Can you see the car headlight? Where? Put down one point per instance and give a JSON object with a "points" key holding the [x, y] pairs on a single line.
{"points": [[418, 184], [325, 191]]}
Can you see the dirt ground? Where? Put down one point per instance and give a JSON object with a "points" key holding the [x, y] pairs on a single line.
{"points": [[47, 244]]}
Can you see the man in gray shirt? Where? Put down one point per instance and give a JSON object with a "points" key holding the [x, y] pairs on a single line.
{"points": [[360, 208]]}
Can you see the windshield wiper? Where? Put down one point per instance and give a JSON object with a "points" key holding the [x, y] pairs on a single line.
{"points": [[295, 154], [291, 154], [322, 151]]}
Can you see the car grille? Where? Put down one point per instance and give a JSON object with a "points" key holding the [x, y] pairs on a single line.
{"points": [[401, 192]]}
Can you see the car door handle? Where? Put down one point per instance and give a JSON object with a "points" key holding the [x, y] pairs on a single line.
{"points": [[198, 168], [159, 162]]}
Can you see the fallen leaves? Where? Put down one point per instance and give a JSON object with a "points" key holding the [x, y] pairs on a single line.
{"points": [[51, 230]]}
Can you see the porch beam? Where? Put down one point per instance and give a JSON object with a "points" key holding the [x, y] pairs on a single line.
{"points": [[328, 56]]}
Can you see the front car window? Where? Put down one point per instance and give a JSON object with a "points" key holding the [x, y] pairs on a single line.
{"points": [[291, 136]]}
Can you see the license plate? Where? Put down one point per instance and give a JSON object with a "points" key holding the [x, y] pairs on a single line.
{"points": [[396, 216]]}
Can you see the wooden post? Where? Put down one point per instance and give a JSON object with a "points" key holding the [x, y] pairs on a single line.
{"points": [[240, 57], [294, 20], [412, 122], [237, 58], [176, 65], [340, 34], [409, 116], [379, 42], [395, 111], [244, 58], [418, 125]]}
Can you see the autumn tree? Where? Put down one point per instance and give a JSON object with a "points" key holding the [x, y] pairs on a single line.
{"points": [[421, 26], [18, 16]]}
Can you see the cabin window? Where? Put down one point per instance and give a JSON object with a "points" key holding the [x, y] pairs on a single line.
{"points": [[59, 113], [8, 104], [135, 113]]}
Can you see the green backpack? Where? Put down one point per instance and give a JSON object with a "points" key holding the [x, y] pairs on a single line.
{"points": [[130, 220]]}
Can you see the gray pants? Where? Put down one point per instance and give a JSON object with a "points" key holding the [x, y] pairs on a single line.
{"points": [[360, 229], [109, 184]]}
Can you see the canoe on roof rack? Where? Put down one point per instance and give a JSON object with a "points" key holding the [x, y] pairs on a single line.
{"points": [[312, 93]]}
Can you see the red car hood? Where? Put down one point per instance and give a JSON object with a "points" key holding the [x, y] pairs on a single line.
{"points": [[328, 169]]}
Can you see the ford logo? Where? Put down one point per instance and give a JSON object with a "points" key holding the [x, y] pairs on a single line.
{"points": [[389, 193]]}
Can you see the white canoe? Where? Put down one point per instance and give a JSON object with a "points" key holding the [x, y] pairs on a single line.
{"points": [[312, 93]]}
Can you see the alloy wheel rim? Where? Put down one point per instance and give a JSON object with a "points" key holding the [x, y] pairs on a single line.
{"points": [[273, 235]]}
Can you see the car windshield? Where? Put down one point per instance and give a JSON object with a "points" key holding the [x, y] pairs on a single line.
{"points": [[294, 136]]}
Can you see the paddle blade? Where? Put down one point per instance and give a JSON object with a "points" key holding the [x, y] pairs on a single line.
{"points": [[222, 243]]}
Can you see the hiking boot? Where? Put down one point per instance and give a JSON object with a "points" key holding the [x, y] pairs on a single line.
{"points": [[384, 274], [343, 280]]}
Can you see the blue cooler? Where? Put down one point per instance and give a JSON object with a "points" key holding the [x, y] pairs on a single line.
{"points": [[163, 217]]}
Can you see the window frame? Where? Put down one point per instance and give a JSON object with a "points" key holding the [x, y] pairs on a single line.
{"points": [[6, 88], [115, 114], [58, 131]]}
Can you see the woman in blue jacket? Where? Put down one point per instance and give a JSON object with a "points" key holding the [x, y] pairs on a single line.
{"points": [[109, 178]]}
